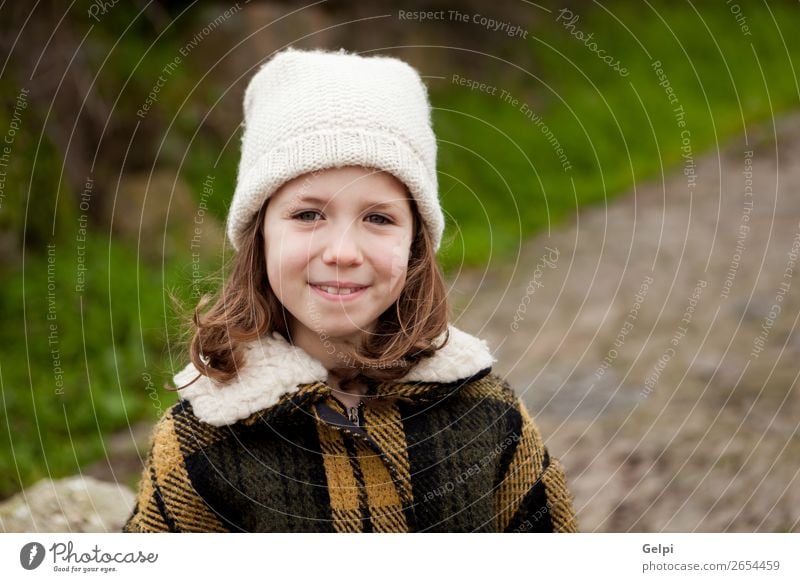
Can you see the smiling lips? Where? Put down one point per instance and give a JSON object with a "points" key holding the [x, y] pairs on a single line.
{"points": [[339, 289]]}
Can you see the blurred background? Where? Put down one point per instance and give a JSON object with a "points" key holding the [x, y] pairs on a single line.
{"points": [[623, 226]]}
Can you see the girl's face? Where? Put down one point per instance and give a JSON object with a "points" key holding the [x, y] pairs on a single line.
{"points": [[337, 246]]}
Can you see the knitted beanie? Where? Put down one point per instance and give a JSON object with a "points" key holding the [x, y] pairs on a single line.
{"points": [[312, 110]]}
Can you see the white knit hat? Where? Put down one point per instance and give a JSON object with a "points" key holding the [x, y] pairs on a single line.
{"points": [[311, 110]]}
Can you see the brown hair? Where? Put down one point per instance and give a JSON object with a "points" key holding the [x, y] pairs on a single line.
{"points": [[246, 308]]}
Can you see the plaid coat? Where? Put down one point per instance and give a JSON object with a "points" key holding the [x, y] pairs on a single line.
{"points": [[449, 448]]}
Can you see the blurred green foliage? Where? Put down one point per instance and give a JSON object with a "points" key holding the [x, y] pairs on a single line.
{"points": [[500, 181]]}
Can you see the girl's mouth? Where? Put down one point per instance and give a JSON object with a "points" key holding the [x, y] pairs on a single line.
{"points": [[338, 293]]}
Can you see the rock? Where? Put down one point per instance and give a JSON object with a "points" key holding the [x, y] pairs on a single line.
{"points": [[74, 504]]}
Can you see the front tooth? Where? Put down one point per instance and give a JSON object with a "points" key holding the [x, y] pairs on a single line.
{"points": [[337, 291]]}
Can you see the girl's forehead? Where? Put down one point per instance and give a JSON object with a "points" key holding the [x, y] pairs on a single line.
{"points": [[344, 186]]}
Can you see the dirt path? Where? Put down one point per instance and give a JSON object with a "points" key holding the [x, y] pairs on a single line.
{"points": [[646, 343]]}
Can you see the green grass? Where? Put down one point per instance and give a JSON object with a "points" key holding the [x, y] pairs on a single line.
{"points": [[501, 180], [106, 341], [500, 183]]}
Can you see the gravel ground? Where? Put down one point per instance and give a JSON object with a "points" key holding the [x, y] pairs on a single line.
{"points": [[643, 337]]}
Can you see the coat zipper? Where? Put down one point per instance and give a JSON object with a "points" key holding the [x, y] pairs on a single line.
{"points": [[354, 416], [354, 413]]}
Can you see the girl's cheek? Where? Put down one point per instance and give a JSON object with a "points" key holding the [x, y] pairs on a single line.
{"points": [[399, 263], [293, 260], [292, 247], [285, 259]]}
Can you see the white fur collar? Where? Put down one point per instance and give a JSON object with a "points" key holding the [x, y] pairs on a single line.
{"points": [[273, 367]]}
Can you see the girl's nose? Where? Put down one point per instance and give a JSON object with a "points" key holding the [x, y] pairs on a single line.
{"points": [[342, 249]]}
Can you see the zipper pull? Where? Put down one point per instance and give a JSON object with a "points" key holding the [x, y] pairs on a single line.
{"points": [[352, 415]]}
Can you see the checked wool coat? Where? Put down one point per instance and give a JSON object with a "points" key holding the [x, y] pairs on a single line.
{"points": [[448, 448]]}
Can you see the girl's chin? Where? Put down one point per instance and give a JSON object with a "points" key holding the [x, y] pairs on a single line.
{"points": [[346, 332], [342, 333]]}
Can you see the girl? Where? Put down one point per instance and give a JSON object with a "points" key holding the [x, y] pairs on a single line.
{"points": [[327, 391]]}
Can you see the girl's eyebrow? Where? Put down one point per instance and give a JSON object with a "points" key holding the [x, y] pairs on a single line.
{"points": [[312, 200], [325, 202]]}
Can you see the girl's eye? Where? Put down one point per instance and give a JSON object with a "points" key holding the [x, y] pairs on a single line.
{"points": [[382, 219], [307, 215]]}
